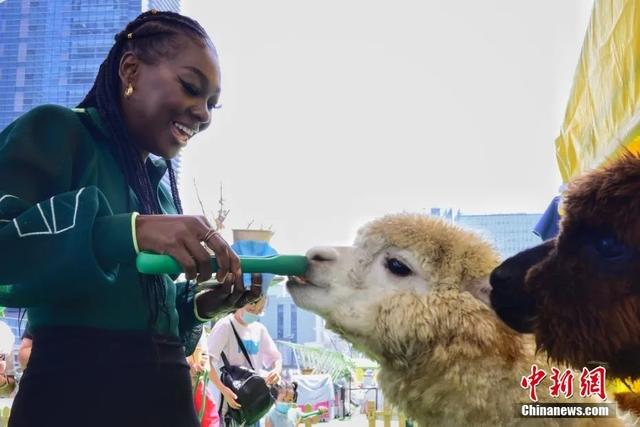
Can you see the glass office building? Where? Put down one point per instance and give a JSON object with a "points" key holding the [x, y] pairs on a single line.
{"points": [[510, 233], [172, 5], [50, 51]]}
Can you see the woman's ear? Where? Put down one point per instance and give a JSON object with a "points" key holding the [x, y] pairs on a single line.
{"points": [[128, 69]]}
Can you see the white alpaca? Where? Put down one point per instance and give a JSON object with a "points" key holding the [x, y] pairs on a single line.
{"points": [[412, 294]]}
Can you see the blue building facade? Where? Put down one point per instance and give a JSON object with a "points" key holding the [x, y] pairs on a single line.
{"points": [[287, 322], [509, 233], [50, 51], [171, 5]]}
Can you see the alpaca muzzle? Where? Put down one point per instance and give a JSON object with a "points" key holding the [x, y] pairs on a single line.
{"points": [[509, 297]]}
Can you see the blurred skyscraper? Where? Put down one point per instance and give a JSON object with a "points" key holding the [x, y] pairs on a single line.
{"points": [[287, 322], [50, 51], [510, 233], [171, 5]]}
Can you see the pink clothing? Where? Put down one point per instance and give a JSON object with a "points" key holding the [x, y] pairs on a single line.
{"points": [[210, 417]]}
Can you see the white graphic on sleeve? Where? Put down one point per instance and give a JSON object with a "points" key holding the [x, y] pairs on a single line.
{"points": [[6, 196], [45, 223]]}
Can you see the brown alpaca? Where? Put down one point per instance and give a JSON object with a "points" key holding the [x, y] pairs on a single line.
{"points": [[408, 293], [580, 293]]}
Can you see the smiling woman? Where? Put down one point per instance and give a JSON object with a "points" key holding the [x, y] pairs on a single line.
{"points": [[174, 100], [80, 183]]}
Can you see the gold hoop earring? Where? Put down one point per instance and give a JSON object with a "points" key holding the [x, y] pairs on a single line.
{"points": [[128, 91]]}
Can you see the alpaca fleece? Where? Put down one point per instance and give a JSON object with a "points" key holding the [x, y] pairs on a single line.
{"points": [[410, 294]]}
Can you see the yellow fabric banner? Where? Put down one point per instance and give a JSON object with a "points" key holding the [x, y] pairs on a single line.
{"points": [[602, 118]]}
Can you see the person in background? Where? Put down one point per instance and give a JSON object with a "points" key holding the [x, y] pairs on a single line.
{"points": [[80, 197], [7, 371], [203, 399], [264, 355], [285, 413]]}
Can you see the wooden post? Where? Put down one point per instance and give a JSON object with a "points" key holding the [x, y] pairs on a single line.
{"points": [[402, 421], [6, 411], [386, 415], [309, 421], [371, 413]]}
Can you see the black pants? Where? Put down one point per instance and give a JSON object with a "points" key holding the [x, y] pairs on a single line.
{"points": [[92, 377]]}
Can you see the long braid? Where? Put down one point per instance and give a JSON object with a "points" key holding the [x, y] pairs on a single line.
{"points": [[174, 186], [150, 37]]}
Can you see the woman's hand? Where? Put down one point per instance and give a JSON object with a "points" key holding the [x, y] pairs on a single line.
{"points": [[272, 377], [181, 236], [218, 299], [230, 397], [222, 299]]}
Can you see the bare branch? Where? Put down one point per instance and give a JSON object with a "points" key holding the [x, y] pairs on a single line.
{"points": [[222, 213], [198, 197]]}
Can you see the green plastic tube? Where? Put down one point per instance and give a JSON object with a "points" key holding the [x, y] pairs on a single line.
{"points": [[284, 265]]}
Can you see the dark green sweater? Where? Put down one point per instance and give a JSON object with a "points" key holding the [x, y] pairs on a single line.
{"points": [[67, 249]]}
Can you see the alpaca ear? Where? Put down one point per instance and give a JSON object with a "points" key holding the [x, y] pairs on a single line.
{"points": [[479, 288]]}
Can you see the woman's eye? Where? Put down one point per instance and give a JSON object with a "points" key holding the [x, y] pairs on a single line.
{"points": [[397, 267], [610, 247], [189, 88]]}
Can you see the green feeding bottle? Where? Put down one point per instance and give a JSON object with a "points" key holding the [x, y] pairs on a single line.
{"points": [[285, 265], [256, 256]]}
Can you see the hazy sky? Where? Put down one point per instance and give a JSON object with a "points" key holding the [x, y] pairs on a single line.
{"points": [[336, 112]]}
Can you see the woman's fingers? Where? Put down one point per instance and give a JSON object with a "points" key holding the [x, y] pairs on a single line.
{"points": [[221, 250], [215, 300], [180, 236], [227, 296], [184, 258], [255, 291], [234, 267], [228, 287], [201, 258], [250, 295], [238, 291]]}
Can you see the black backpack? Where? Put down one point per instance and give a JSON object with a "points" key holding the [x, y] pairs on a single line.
{"points": [[255, 396]]}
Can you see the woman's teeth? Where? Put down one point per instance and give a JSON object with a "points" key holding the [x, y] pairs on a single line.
{"points": [[182, 132]]}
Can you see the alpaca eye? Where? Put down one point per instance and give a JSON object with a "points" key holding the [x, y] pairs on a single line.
{"points": [[397, 267], [610, 247]]}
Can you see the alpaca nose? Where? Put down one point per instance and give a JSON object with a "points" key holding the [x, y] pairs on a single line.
{"points": [[501, 276], [322, 254], [511, 274]]}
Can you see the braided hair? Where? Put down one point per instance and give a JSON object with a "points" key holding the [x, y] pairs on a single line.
{"points": [[151, 36]]}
